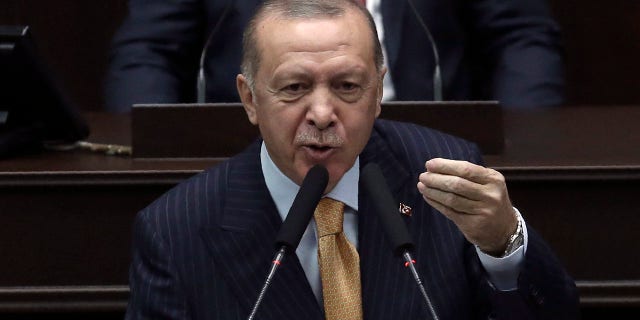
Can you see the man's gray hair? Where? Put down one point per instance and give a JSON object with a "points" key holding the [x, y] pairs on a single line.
{"points": [[299, 9]]}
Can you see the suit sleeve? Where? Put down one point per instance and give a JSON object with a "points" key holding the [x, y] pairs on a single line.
{"points": [[516, 46], [154, 55], [543, 285], [544, 289], [155, 292]]}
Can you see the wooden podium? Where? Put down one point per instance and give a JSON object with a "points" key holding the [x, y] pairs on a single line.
{"points": [[222, 130]]}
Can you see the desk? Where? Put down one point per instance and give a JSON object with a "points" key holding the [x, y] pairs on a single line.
{"points": [[66, 216]]}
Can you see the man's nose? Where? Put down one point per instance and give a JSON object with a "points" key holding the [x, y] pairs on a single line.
{"points": [[321, 112]]}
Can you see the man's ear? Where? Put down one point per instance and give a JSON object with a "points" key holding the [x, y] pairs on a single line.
{"points": [[246, 96], [379, 90]]}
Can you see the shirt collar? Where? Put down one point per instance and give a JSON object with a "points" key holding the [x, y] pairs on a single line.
{"points": [[283, 190]]}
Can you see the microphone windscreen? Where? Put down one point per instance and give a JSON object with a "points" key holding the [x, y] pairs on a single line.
{"points": [[385, 207], [302, 208]]}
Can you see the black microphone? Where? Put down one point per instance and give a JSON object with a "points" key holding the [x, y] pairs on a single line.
{"points": [[201, 83], [385, 207], [437, 78], [296, 222], [302, 208]]}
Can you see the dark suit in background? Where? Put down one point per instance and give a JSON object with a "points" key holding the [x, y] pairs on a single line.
{"points": [[489, 49], [202, 250]]}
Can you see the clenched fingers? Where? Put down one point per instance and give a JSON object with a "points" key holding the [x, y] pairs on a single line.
{"points": [[475, 198]]}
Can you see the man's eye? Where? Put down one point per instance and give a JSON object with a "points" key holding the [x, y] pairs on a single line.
{"points": [[294, 87], [293, 91], [348, 86]]}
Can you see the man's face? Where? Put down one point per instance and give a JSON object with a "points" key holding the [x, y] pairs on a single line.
{"points": [[317, 92]]}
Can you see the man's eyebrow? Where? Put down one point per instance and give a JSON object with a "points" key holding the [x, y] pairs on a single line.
{"points": [[290, 74], [349, 72]]}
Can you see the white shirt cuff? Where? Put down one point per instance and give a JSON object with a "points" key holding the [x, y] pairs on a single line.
{"points": [[503, 272]]}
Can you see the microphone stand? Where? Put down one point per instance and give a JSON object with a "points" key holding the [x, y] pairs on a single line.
{"points": [[409, 263], [296, 222], [375, 184], [201, 83], [277, 260], [437, 77]]}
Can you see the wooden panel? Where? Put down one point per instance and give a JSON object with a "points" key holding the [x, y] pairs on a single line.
{"points": [[222, 130], [602, 42]]}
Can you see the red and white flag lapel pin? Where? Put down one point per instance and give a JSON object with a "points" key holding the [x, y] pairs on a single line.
{"points": [[405, 209]]}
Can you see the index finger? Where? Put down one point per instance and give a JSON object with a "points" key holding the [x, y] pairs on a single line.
{"points": [[459, 168]]}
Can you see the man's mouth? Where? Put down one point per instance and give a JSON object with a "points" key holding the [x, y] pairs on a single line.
{"points": [[320, 148], [319, 152]]}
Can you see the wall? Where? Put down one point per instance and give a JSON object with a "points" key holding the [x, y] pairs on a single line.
{"points": [[602, 42]]}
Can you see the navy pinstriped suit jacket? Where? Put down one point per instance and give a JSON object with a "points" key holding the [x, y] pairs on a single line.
{"points": [[203, 249]]}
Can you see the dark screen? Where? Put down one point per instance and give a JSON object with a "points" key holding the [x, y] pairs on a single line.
{"points": [[33, 109]]}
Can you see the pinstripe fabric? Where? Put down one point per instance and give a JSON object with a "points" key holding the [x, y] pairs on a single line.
{"points": [[202, 250]]}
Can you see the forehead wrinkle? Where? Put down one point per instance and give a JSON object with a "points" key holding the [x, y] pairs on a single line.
{"points": [[327, 69], [307, 60], [341, 48], [319, 57]]}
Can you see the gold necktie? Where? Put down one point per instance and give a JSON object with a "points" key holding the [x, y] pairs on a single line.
{"points": [[339, 264]]}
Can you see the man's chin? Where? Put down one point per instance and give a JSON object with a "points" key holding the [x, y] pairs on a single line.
{"points": [[336, 172]]}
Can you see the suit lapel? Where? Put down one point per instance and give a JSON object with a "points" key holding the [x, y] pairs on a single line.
{"points": [[241, 243], [389, 291]]}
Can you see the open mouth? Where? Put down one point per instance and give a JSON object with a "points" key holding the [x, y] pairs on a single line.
{"points": [[320, 148], [319, 153]]}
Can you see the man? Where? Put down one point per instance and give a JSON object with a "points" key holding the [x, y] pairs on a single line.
{"points": [[312, 83], [489, 50]]}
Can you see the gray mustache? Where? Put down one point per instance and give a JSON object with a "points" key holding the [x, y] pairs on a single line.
{"points": [[325, 138]]}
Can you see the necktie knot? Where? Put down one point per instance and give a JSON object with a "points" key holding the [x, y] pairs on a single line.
{"points": [[329, 215]]}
